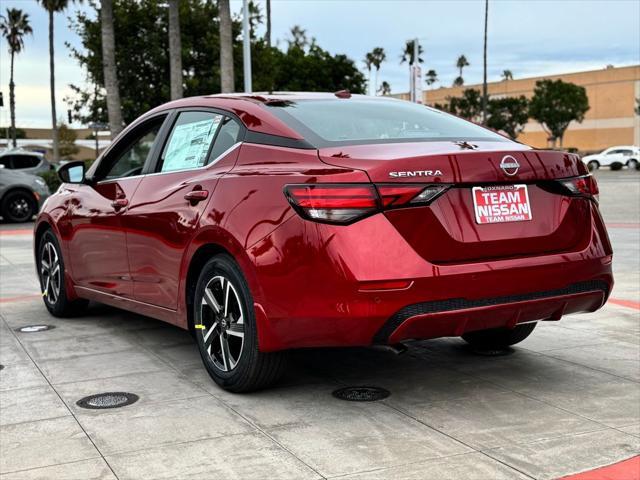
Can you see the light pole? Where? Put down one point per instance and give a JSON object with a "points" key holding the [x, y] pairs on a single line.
{"points": [[246, 46]]}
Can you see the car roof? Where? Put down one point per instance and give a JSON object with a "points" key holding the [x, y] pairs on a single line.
{"points": [[19, 151]]}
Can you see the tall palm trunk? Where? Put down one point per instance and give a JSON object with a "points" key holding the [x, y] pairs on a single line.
{"points": [[375, 87], [484, 75], [268, 32], [227, 82], [114, 108], [52, 82], [175, 50], [12, 104]]}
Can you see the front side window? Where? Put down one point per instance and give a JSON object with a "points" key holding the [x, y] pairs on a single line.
{"points": [[134, 156], [332, 122], [189, 141]]}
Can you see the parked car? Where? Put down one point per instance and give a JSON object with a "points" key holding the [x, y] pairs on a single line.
{"points": [[614, 158], [269, 222], [25, 161], [21, 195]]}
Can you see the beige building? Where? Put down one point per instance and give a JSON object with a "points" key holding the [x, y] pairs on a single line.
{"points": [[40, 140], [611, 119]]}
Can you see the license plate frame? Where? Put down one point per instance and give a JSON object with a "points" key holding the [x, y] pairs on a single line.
{"points": [[488, 203]]}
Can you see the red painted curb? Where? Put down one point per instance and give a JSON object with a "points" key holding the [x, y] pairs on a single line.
{"points": [[622, 225], [625, 303], [21, 231], [21, 298], [625, 470]]}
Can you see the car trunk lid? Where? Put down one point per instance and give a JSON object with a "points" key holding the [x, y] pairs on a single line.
{"points": [[447, 230]]}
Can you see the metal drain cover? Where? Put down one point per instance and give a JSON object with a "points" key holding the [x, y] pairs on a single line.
{"points": [[361, 394], [34, 328], [107, 400]]}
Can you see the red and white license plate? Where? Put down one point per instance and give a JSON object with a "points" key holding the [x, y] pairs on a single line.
{"points": [[501, 203]]}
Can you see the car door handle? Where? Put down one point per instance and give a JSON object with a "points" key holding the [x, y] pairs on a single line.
{"points": [[119, 203], [195, 196]]}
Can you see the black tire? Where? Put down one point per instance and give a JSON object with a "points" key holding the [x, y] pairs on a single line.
{"points": [[616, 166], [56, 301], [243, 368], [18, 206], [593, 165], [498, 338], [633, 164]]}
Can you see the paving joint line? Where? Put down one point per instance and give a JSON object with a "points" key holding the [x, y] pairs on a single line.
{"points": [[66, 406]]}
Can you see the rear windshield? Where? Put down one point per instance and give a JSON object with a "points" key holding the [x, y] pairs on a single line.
{"points": [[329, 122]]}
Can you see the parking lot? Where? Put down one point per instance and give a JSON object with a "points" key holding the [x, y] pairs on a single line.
{"points": [[565, 400]]}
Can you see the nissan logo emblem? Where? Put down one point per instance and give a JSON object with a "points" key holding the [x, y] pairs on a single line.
{"points": [[509, 165]]}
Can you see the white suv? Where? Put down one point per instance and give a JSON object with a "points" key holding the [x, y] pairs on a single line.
{"points": [[615, 158]]}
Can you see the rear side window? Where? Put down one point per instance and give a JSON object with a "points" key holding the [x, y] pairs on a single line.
{"points": [[25, 161], [329, 122], [189, 141], [227, 137]]}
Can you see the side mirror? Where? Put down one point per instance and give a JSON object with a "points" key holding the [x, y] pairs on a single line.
{"points": [[72, 172]]}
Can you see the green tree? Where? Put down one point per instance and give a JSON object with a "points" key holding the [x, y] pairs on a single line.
{"points": [[14, 27], [7, 132], [368, 64], [555, 104], [460, 64], [431, 77], [468, 106], [509, 114], [143, 65], [507, 75], [298, 38], [378, 56], [385, 88], [68, 139]]}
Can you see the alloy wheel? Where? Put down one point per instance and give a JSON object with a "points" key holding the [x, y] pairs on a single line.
{"points": [[19, 208], [222, 323], [50, 273]]}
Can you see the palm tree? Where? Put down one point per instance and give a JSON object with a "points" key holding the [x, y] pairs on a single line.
{"points": [[460, 64], [378, 56], [385, 88], [407, 53], [507, 75], [175, 50], [52, 7], [298, 38], [368, 63], [227, 80], [114, 108], [267, 34], [14, 26], [431, 77], [484, 61]]}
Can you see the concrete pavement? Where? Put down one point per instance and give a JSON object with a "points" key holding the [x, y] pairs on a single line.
{"points": [[567, 399]]}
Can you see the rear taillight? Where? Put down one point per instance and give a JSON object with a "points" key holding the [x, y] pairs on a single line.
{"points": [[345, 203], [585, 186]]}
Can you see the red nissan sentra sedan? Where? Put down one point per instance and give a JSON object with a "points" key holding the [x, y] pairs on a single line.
{"points": [[269, 222]]}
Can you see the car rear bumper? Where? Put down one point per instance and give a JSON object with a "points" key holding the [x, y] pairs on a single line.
{"points": [[311, 286]]}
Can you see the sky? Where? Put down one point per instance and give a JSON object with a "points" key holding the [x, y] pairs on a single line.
{"points": [[528, 37]]}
